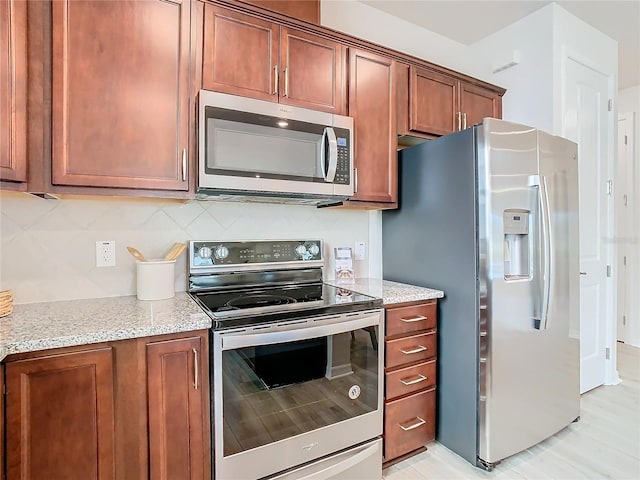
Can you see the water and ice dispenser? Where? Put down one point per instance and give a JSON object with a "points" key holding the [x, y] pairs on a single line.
{"points": [[516, 244]]}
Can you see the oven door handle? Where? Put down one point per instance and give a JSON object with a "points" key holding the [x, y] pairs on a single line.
{"points": [[297, 331]]}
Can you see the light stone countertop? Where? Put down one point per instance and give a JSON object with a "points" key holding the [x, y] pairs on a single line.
{"points": [[40, 326], [391, 292]]}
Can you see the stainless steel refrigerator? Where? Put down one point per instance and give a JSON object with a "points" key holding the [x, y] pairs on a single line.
{"points": [[489, 215]]}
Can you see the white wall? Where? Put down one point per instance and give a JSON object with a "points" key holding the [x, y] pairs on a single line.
{"points": [[47, 247], [529, 84], [629, 103], [371, 24]]}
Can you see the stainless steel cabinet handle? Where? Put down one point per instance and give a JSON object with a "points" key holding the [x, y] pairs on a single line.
{"points": [[195, 368], [464, 121], [583, 273], [418, 349], [419, 318], [275, 79], [286, 81], [420, 422], [459, 116], [184, 164], [418, 379], [355, 176]]}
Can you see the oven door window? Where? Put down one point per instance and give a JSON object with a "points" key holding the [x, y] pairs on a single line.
{"points": [[276, 391]]}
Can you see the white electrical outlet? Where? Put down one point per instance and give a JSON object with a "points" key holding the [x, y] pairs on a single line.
{"points": [[360, 252], [106, 253]]}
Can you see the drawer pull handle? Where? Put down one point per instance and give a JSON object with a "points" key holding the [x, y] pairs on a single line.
{"points": [[417, 424], [419, 318], [418, 379], [418, 349]]}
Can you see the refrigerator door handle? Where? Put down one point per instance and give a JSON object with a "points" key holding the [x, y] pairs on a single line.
{"points": [[548, 249], [540, 182]]}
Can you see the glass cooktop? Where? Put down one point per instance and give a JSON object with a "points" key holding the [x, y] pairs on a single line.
{"points": [[239, 307]]}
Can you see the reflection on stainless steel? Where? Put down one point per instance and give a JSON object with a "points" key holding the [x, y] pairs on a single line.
{"points": [[496, 207]]}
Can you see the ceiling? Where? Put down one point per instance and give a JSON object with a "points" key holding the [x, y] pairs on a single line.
{"points": [[469, 21]]}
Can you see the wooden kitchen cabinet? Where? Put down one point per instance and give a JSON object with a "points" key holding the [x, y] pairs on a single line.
{"points": [[248, 56], [13, 90], [307, 10], [372, 104], [119, 410], [432, 103], [410, 379], [477, 103], [60, 416], [175, 371], [120, 94]]}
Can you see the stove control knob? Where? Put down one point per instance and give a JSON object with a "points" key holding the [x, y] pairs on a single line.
{"points": [[301, 250], [314, 249], [222, 252], [204, 252]]}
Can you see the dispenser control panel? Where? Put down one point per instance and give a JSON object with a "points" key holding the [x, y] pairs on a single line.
{"points": [[516, 222]]}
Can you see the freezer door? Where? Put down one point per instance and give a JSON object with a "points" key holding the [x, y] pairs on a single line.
{"points": [[523, 226]]}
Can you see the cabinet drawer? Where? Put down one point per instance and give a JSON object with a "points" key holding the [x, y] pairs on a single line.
{"points": [[410, 319], [409, 423], [410, 379], [410, 349]]}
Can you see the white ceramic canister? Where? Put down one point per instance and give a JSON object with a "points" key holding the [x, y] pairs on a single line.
{"points": [[155, 279]]}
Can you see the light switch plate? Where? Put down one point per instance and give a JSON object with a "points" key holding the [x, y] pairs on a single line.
{"points": [[360, 252]]}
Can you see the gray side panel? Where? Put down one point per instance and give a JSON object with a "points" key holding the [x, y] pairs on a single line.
{"points": [[432, 241]]}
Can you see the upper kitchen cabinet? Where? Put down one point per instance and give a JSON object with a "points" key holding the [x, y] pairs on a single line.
{"points": [[372, 104], [307, 10], [13, 90], [120, 93], [431, 103], [248, 56], [477, 103]]}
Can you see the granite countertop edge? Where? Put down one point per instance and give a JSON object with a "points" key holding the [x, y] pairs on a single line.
{"points": [[392, 293], [47, 325]]}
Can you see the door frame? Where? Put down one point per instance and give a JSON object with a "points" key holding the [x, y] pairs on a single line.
{"points": [[627, 237], [568, 54]]}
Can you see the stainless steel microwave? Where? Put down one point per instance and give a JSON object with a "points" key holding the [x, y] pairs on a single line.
{"points": [[256, 150]]}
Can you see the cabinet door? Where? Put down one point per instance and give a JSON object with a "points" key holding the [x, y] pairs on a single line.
{"points": [[312, 71], [240, 54], [477, 103], [433, 100], [176, 415], [60, 417], [13, 90], [120, 93], [372, 104]]}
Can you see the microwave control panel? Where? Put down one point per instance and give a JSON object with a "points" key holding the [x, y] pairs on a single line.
{"points": [[343, 169]]}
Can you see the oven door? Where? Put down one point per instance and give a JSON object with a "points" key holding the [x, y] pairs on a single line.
{"points": [[286, 394]]}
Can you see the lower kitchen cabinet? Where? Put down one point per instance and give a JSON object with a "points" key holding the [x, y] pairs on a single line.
{"points": [[176, 409], [410, 379], [60, 416], [120, 410]]}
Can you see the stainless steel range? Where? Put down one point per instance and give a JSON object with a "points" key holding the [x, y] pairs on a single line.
{"points": [[297, 369]]}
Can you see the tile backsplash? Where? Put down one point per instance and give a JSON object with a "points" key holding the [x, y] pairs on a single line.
{"points": [[47, 249]]}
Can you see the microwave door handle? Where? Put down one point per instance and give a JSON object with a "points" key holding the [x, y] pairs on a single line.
{"points": [[329, 154]]}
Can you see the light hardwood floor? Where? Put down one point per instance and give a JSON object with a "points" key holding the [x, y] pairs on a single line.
{"points": [[605, 443]]}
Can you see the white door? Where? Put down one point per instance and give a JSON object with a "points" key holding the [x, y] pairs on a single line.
{"points": [[586, 123], [624, 202]]}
